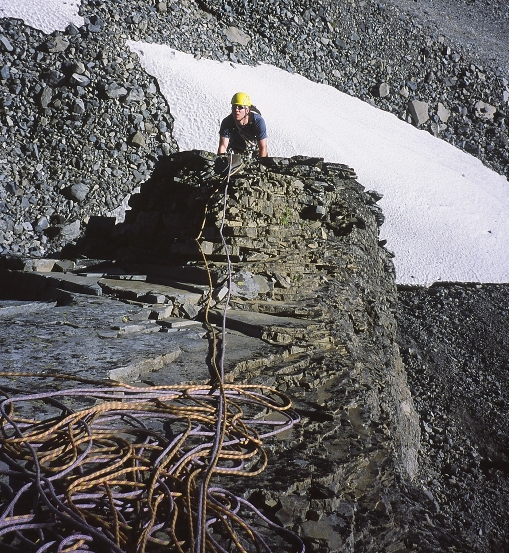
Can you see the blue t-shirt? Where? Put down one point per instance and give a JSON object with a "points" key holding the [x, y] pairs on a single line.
{"points": [[243, 139]]}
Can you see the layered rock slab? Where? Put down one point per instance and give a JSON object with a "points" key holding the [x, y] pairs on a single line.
{"points": [[311, 313], [301, 233]]}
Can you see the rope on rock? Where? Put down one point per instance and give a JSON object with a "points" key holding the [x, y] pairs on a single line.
{"points": [[132, 472], [104, 479], [220, 430]]}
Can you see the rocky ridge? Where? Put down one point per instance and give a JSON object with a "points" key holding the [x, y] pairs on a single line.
{"points": [[312, 313]]}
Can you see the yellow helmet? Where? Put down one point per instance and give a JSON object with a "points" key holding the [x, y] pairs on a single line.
{"points": [[241, 99]]}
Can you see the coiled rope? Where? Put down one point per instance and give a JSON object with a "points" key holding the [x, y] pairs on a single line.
{"points": [[105, 475], [132, 473]]}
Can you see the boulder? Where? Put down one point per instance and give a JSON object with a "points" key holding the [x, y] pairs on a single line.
{"points": [[418, 110]]}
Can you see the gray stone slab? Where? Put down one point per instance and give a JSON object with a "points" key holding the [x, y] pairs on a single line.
{"points": [[240, 353], [134, 371], [254, 324], [85, 339], [196, 288], [15, 308], [133, 328], [73, 283], [140, 289], [42, 286], [100, 338], [132, 277], [176, 322]]}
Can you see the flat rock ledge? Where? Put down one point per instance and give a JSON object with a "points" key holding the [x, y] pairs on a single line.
{"points": [[311, 311]]}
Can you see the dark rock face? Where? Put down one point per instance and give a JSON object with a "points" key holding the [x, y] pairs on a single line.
{"points": [[312, 313]]}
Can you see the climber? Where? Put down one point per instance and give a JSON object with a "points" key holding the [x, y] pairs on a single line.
{"points": [[243, 131]]}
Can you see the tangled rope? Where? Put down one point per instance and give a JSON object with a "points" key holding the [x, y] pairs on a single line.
{"points": [[107, 479]]}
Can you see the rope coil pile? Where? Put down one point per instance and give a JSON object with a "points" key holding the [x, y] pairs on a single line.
{"points": [[102, 479]]}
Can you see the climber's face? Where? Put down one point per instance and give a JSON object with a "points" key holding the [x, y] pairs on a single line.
{"points": [[239, 112]]}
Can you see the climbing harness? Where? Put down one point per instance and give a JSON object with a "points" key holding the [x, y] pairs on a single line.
{"points": [[251, 144]]}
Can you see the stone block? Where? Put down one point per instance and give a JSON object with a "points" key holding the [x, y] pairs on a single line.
{"points": [[190, 311], [43, 265], [485, 111], [443, 113], [418, 111], [177, 322], [262, 283], [135, 370], [154, 298], [236, 35], [384, 90], [63, 265], [219, 293], [162, 312]]}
